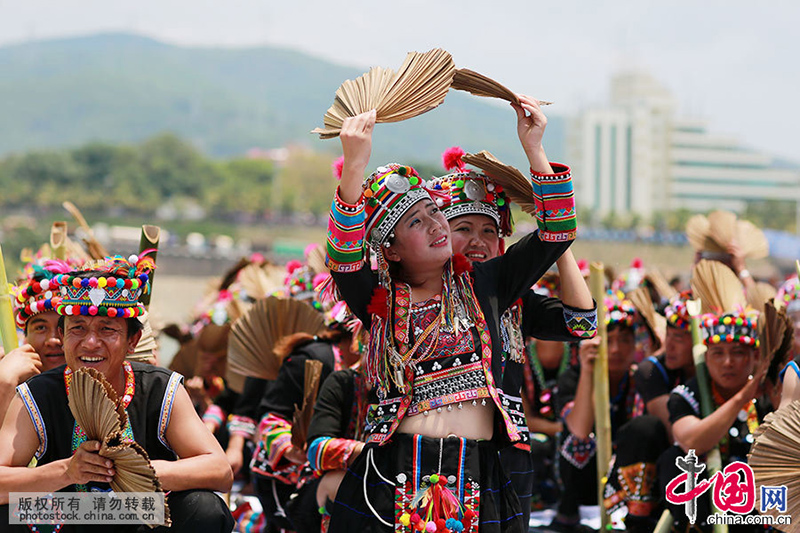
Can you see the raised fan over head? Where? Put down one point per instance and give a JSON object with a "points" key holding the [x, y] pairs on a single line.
{"points": [[259, 281], [418, 86], [716, 232], [775, 335], [517, 187], [254, 335], [774, 458], [718, 288], [480, 85]]}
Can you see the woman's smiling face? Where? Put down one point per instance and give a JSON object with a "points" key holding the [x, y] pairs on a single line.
{"points": [[475, 237]]}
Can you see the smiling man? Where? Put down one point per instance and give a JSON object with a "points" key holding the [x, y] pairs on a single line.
{"points": [[98, 310]]}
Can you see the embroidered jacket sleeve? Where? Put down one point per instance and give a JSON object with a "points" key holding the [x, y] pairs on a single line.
{"points": [[345, 235], [217, 412], [242, 420], [329, 446], [550, 319], [684, 400], [527, 260], [555, 204]]}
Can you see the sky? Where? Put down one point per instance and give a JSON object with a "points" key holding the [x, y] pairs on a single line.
{"points": [[730, 62]]}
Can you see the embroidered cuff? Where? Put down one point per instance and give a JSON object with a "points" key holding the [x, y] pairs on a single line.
{"points": [[277, 437], [241, 425], [215, 415], [581, 323], [345, 235], [555, 204], [326, 453]]}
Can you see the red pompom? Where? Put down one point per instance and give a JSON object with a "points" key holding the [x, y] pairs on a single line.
{"points": [[451, 158], [293, 265], [461, 264], [637, 263], [337, 165], [378, 304]]}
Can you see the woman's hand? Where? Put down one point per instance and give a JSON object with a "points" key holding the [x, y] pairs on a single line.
{"points": [[531, 123], [356, 138], [587, 352]]}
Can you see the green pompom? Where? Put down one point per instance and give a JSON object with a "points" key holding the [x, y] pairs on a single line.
{"points": [[375, 187], [501, 202], [402, 171], [413, 180], [459, 183]]}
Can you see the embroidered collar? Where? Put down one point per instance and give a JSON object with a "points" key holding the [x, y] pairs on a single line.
{"points": [[130, 382]]}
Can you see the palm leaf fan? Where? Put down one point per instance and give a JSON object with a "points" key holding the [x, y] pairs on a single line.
{"points": [[719, 289], [316, 260], [659, 282], [480, 85], [147, 343], [258, 282], [752, 240], [253, 337], [722, 228], [759, 294], [96, 250], [699, 234], [421, 84], [516, 185], [302, 416], [95, 405], [775, 336], [774, 458], [656, 323]]}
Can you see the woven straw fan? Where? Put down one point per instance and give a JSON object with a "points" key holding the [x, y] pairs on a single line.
{"points": [[656, 323], [752, 240], [302, 416], [774, 458], [253, 337], [718, 287], [260, 281], [96, 250], [98, 411], [724, 228], [316, 260], [761, 293], [147, 343], [517, 187], [421, 84]]}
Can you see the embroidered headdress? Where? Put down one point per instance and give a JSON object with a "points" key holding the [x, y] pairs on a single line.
{"points": [[676, 312], [619, 310], [389, 192], [468, 192], [789, 294], [114, 290], [37, 293]]}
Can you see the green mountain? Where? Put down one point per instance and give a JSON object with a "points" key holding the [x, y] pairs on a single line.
{"points": [[124, 88]]}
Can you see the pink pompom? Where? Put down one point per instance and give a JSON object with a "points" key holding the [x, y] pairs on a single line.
{"points": [[310, 248], [637, 263], [257, 258], [319, 279], [451, 158], [293, 265], [337, 165]]}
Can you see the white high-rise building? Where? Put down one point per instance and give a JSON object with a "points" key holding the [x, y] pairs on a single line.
{"points": [[636, 156]]}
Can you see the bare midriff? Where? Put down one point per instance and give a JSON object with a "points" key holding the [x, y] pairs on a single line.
{"points": [[470, 421]]}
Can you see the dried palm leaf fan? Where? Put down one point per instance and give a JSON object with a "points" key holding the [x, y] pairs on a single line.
{"points": [[722, 227], [259, 281], [759, 294], [302, 416], [316, 260], [253, 337], [656, 323], [659, 282], [774, 458], [147, 343], [418, 86], [752, 240], [480, 85], [96, 250], [775, 336], [718, 288], [516, 185], [697, 230], [98, 411]]}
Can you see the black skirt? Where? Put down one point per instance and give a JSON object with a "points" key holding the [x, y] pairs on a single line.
{"points": [[378, 492]]}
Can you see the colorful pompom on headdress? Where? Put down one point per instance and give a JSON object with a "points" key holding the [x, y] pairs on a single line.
{"points": [[619, 310], [549, 285], [789, 294], [38, 294], [468, 192], [730, 327], [631, 278], [676, 312], [389, 192], [113, 290]]}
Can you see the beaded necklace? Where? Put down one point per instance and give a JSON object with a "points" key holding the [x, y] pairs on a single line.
{"points": [[79, 436], [546, 394], [751, 418]]}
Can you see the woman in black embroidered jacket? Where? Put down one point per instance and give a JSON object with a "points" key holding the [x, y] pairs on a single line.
{"points": [[434, 344]]}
